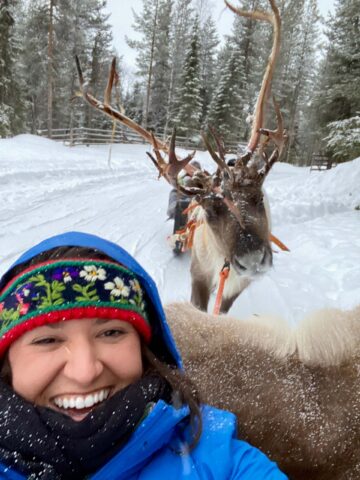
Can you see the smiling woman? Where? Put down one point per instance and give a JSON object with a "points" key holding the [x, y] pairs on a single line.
{"points": [[92, 384], [80, 364]]}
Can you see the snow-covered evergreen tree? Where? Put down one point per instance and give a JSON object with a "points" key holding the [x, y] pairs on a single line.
{"points": [[297, 69], [337, 95], [146, 24], [241, 65], [189, 117], [133, 102], [34, 30], [209, 41], [161, 69], [226, 111], [180, 37], [74, 38], [343, 139], [100, 38], [340, 97], [253, 39], [11, 96], [77, 28]]}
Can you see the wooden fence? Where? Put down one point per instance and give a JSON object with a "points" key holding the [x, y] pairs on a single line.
{"points": [[96, 136], [321, 162]]}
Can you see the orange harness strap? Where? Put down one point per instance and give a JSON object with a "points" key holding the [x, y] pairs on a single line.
{"points": [[191, 232], [190, 207], [224, 274], [278, 243], [188, 231]]}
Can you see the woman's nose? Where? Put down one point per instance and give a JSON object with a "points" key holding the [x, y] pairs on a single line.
{"points": [[82, 363]]}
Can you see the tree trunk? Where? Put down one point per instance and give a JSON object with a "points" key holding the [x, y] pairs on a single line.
{"points": [[295, 98], [148, 90], [50, 69]]}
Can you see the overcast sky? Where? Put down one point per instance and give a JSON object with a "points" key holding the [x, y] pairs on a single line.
{"points": [[122, 19]]}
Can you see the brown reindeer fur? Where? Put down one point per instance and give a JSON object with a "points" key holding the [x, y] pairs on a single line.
{"points": [[296, 393]]}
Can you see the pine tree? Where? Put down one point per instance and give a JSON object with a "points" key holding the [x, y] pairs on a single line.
{"points": [[209, 42], [161, 68], [133, 102], [226, 112], [288, 74], [298, 76], [78, 28], [189, 116], [34, 30], [180, 38], [11, 97], [241, 65], [100, 38], [74, 38], [146, 24], [338, 98]]}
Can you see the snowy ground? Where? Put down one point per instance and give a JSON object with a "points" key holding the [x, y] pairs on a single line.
{"points": [[48, 188]]}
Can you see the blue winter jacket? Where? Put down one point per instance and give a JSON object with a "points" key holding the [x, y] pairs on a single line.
{"points": [[157, 450]]}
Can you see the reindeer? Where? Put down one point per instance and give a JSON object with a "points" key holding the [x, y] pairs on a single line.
{"points": [[296, 393], [233, 225]]}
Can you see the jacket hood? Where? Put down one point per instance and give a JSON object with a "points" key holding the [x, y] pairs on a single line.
{"points": [[162, 340]]}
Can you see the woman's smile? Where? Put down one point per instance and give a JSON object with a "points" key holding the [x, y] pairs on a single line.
{"points": [[78, 405]]}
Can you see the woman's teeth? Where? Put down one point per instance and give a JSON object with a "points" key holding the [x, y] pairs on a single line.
{"points": [[82, 401]]}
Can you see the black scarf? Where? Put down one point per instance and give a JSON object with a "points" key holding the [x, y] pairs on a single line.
{"points": [[44, 444]]}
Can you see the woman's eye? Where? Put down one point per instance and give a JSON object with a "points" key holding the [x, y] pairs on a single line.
{"points": [[113, 333], [45, 341]]}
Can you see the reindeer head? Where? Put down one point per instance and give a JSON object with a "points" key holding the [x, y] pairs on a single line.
{"points": [[235, 210], [246, 245]]}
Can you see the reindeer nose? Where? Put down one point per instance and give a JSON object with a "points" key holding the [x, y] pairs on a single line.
{"points": [[267, 259], [253, 263]]}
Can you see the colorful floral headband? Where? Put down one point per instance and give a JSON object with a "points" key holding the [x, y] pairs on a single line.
{"points": [[71, 289]]}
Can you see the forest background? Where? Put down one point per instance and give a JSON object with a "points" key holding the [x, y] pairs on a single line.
{"points": [[185, 77]]}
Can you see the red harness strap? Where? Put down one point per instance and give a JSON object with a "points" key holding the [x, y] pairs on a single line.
{"points": [[224, 274]]}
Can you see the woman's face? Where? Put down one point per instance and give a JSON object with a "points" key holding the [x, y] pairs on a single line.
{"points": [[74, 366]]}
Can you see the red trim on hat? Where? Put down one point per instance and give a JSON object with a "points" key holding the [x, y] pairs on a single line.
{"points": [[76, 313]]}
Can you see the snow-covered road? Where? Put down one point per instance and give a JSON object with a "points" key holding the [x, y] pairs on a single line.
{"points": [[48, 188]]}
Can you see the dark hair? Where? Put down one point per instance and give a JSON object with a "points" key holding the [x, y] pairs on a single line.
{"points": [[184, 391], [5, 370], [183, 388]]}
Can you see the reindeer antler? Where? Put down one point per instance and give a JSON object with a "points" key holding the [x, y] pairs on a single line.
{"points": [[259, 113], [108, 110], [169, 170], [218, 159]]}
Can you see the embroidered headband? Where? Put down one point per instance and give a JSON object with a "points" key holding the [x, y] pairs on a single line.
{"points": [[71, 289]]}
